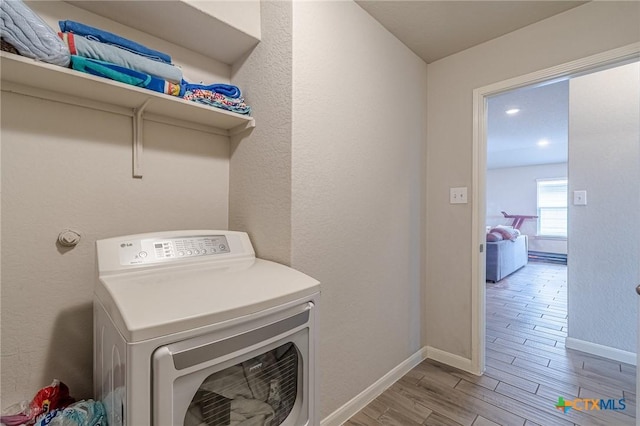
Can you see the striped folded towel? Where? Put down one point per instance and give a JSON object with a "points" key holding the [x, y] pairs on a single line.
{"points": [[124, 75], [106, 37], [90, 49]]}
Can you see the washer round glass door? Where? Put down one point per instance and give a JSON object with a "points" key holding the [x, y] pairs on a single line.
{"points": [[260, 391], [259, 377]]}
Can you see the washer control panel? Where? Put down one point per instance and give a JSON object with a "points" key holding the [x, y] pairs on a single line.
{"points": [[154, 250]]}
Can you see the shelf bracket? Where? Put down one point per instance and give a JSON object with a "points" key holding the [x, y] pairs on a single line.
{"points": [[138, 139]]}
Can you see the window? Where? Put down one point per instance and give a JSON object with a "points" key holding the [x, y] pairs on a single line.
{"points": [[552, 207]]}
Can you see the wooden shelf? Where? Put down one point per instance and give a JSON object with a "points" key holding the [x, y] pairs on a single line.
{"points": [[34, 78], [41, 80]]}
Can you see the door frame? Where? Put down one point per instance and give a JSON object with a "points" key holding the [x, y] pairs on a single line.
{"points": [[619, 56]]}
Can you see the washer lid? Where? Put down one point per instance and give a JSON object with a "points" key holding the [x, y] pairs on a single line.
{"points": [[152, 303]]}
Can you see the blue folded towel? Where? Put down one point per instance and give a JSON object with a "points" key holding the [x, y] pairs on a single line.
{"points": [[228, 90], [103, 52], [102, 36], [30, 35], [125, 75]]}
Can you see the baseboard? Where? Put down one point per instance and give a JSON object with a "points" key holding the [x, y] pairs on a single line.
{"points": [[547, 257], [450, 359], [361, 400], [601, 350]]}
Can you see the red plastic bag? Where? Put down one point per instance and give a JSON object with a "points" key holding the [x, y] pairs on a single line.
{"points": [[50, 398], [46, 400]]}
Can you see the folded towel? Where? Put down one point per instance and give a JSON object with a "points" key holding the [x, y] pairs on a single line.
{"points": [[102, 36], [228, 90], [217, 100], [30, 35], [124, 75], [103, 52]]}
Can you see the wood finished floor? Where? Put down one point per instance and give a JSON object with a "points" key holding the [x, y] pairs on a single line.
{"points": [[527, 369]]}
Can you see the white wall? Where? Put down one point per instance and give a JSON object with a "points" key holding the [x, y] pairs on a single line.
{"points": [[260, 180], [580, 32], [67, 166], [241, 14], [195, 66], [604, 235], [331, 180], [514, 190], [358, 191]]}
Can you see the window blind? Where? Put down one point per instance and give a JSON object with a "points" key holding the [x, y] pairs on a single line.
{"points": [[552, 207]]}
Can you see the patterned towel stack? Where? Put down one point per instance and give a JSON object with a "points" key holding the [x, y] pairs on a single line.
{"points": [[217, 100], [108, 55], [225, 96], [104, 54]]}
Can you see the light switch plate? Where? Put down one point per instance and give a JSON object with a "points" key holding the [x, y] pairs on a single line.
{"points": [[580, 198], [458, 195]]}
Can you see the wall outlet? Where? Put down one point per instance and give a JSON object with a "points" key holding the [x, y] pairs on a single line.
{"points": [[458, 195], [580, 198]]}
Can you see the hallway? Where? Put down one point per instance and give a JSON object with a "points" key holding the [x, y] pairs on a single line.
{"points": [[527, 369]]}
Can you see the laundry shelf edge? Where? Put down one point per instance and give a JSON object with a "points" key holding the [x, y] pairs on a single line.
{"points": [[52, 78]]}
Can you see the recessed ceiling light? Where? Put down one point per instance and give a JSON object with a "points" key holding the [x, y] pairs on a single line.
{"points": [[543, 142], [513, 111]]}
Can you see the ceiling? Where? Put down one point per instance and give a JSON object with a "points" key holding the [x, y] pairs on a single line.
{"points": [[435, 29], [515, 140]]}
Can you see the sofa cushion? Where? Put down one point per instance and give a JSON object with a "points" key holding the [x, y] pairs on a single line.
{"points": [[507, 233], [493, 237]]}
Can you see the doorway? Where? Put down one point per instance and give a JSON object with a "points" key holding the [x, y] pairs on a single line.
{"points": [[527, 160], [585, 66]]}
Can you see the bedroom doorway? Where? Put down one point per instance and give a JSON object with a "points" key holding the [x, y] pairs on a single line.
{"points": [[526, 176], [526, 221], [482, 97]]}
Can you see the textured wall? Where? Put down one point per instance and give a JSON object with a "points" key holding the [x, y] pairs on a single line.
{"points": [[604, 235], [260, 180], [358, 190], [514, 190], [586, 30], [66, 166]]}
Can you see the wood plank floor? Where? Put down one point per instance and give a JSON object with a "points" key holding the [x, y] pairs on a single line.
{"points": [[527, 369]]}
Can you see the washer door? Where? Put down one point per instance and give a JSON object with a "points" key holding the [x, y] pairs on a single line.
{"points": [[259, 377], [262, 390]]}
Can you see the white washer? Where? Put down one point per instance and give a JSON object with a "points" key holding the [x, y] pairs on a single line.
{"points": [[190, 328]]}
